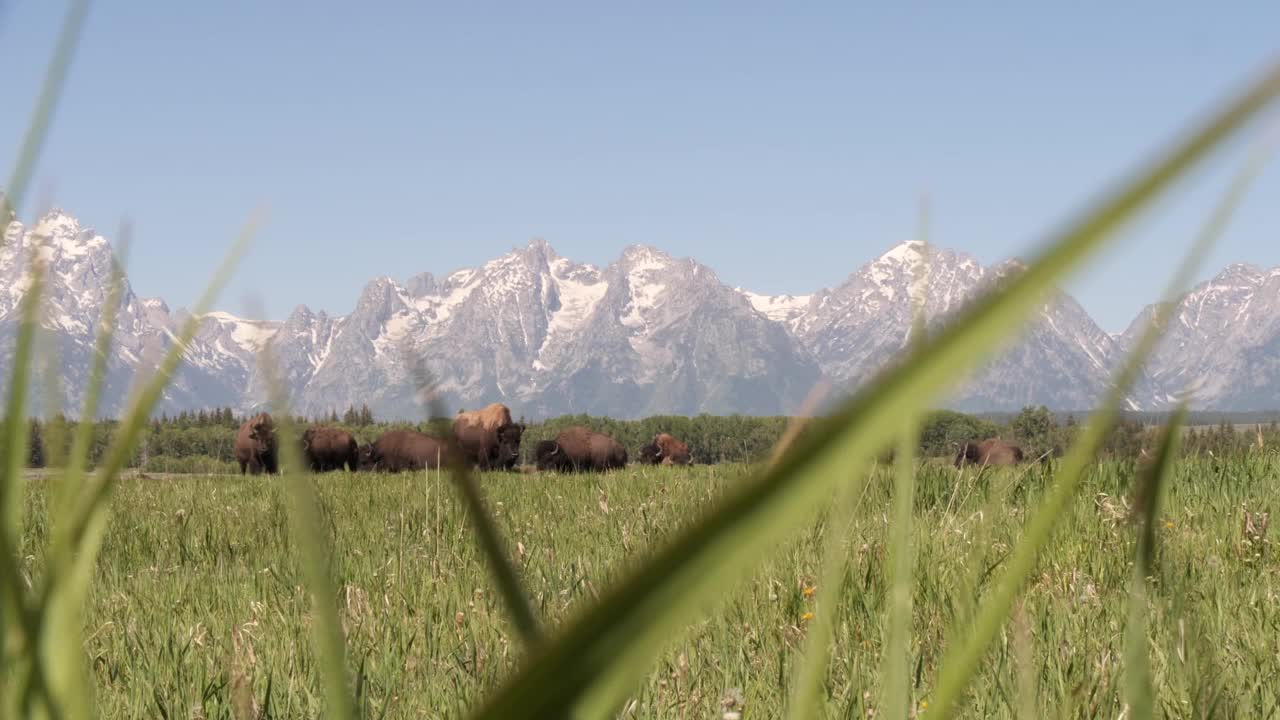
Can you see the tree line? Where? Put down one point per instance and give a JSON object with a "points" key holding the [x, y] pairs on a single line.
{"points": [[204, 441]]}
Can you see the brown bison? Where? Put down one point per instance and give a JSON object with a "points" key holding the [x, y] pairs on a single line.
{"points": [[487, 437], [256, 446], [665, 450], [400, 450], [327, 448], [579, 449], [992, 451]]}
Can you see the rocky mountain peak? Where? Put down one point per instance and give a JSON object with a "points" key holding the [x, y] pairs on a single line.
{"points": [[421, 284], [1239, 272], [907, 252], [643, 257], [647, 334]]}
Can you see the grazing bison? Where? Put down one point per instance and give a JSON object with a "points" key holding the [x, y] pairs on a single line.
{"points": [[580, 449], [665, 450], [327, 448], [256, 446], [992, 451], [400, 450], [487, 437]]}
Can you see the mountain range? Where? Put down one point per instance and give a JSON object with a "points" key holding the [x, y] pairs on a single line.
{"points": [[647, 334]]}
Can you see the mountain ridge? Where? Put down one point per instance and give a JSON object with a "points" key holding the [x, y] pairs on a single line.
{"points": [[648, 333]]}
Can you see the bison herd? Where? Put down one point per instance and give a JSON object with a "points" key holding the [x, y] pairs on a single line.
{"points": [[484, 439], [487, 439]]}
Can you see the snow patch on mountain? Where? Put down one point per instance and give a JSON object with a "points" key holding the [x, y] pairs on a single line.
{"points": [[779, 308]]}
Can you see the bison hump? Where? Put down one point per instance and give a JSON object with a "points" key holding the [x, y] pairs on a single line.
{"points": [[490, 417]]}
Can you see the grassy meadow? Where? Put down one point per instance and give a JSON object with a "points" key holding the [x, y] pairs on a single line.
{"points": [[197, 609]]}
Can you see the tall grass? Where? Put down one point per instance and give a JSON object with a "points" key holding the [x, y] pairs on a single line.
{"points": [[594, 660], [200, 588]]}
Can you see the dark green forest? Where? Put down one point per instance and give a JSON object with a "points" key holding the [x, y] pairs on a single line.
{"points": [[202, 442]]}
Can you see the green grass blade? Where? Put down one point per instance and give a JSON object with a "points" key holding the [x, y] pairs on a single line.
{"points": [[497, 556], [807, 685], [496, 553], [1151, 489], [13, 614], [1139, 693], [78, 457], [313, 546], [81, 540], [16, 632], [592, 664], [50, 91], [60, 650], [15, 424], [895, 688], [962, 661], [129, 430]]}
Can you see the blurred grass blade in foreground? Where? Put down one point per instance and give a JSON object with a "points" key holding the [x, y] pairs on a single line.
{"points": [[962, 660], [808, 684], [18, 634], [55, 77], [78, 534], [78, 456], [495, 549], [1151, 487], [313, 546], [60, 640], [592, 664], [895, 688]]}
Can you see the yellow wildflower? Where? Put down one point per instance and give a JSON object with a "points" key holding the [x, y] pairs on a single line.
{"points": [[809, 590], [806, 617], [1168, 525]]}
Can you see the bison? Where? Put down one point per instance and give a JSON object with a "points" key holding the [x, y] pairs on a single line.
{"points": [[579, 449], [328, 448], [992, 451], [488, 438], [256, 446], [400, 450], [665, 450]]}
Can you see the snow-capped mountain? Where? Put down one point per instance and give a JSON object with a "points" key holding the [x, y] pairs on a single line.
{"points": [[647, 334], [77, 270], [1222, 345], [1061, 360]]}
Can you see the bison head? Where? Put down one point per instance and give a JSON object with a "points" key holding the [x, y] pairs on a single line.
{"points": [[651, 454], [506, 451], [969, 451], [549, 455], [369, 457], [262, 432]]}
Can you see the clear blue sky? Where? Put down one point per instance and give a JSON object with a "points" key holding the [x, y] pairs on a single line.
{"points": [[783, 147]]}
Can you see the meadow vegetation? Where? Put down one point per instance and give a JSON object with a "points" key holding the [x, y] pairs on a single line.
{"points": [[197, 603]]}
